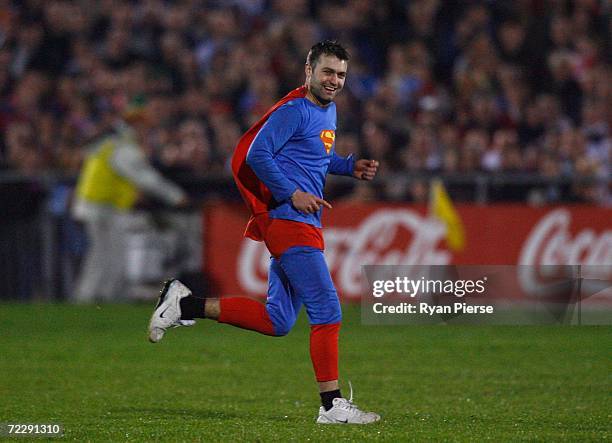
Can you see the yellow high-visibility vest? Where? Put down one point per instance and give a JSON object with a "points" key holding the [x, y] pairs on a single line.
{"points": [[99, 183]]}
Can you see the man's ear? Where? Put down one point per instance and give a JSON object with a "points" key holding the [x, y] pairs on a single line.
{"points": [[308, 71]]}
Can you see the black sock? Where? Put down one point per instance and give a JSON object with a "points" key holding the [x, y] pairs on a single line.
{"points": [[192, 307], [327, 398]]}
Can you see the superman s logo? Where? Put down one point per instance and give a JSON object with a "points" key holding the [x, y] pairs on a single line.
{"points": [[327, 137]]}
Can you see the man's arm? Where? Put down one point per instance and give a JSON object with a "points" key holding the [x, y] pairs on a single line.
{"points": [[130, 162], [341, 165], [281, 125], [361, 169]]}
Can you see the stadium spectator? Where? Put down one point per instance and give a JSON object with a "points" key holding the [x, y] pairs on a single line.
{"points": [[65, 67]]}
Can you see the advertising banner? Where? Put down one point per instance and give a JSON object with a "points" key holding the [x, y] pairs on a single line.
{"points": [[357, 235]]}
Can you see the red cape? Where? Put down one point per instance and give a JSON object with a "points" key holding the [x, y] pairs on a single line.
{"points": [[255, 194]]}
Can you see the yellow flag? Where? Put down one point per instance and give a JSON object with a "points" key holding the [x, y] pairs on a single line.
{"points": [[441, 206]]}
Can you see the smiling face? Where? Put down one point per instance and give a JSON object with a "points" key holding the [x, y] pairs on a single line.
{"points": [[326, 78]]}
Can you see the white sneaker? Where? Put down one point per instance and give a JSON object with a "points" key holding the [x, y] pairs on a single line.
{"points": [[346, 412], [168, 310]]}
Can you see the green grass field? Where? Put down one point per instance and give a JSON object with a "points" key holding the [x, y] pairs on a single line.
{"points": [[92, 370]]}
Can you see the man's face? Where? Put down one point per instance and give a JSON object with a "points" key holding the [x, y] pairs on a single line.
{"points": [[327, 78]]}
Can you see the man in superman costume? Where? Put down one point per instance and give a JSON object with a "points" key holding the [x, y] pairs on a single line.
{"points": [[280, 165]]}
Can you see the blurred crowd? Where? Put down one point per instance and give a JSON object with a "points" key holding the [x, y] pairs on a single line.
{"points": [[433, 86]]}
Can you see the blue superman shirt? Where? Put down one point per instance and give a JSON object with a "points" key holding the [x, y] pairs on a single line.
{"points": [[295, 150]]}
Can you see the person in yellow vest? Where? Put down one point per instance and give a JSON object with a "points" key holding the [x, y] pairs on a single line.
{"points": [[115, 175]]}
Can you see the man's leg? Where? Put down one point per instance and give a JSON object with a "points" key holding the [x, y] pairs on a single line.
{"points": [[316, 290], [114, 286], [275, 318], [97, 261], [301, 275]]}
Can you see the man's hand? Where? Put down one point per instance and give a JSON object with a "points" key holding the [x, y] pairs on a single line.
{"points": [[365, 169], [307, 203]]}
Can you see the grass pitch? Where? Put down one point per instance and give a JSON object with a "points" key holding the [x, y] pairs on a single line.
{"points": [[92, 370]]}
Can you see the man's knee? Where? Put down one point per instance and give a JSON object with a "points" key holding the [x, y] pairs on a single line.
{"points": [[326, 311], [282, 329], [283, 322]]}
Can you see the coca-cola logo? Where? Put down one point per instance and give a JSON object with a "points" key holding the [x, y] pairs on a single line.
{"points": [[401, 236], [551, 247], [387, 236]]}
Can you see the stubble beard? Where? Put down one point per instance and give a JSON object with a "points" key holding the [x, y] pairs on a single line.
{"points": [[316, 93]]}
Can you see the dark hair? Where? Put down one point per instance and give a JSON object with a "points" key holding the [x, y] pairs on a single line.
{"points": [[327, 47]]}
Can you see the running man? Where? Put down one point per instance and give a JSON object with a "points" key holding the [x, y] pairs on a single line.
{"points": [[280, 165]]}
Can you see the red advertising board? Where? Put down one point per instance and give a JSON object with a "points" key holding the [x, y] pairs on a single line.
{"points": [[375, 234]]}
